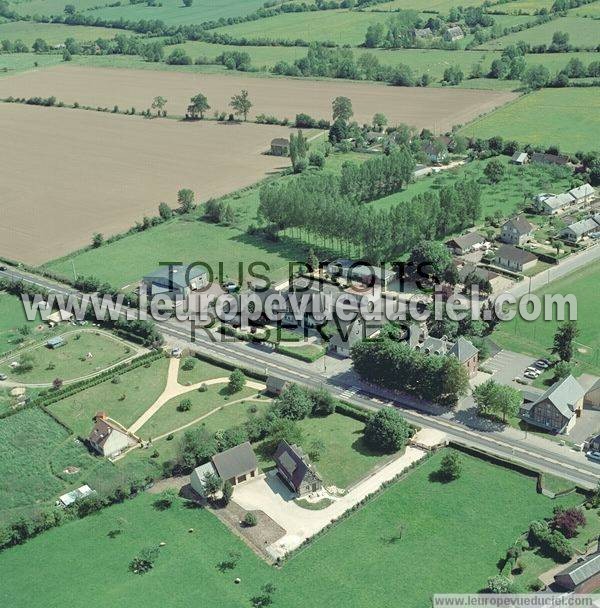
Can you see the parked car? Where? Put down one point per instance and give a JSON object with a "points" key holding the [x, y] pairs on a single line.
{"points": [[3, 376], [2, 268], [593, 456], [534, 370], [530, 375], [541, 363]]}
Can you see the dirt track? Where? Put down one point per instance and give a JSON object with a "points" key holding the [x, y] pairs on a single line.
{"points": [[438, 108], [69, 173]]}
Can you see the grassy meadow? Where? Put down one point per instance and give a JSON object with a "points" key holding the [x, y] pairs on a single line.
{"points": [[52, 33], [477, 517], [21, 62], [13, 319], [568, 118]]}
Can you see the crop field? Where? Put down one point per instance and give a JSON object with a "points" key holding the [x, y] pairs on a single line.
{"points": [[171, 12], [421, 107], [434, 518], [124, 400], [52, 33], [582, 32], [34, 451], [525, 6], [535, 337], [71, 360], [43, 219], [539, 118]]}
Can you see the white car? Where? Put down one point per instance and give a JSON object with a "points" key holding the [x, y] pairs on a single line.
{"points": [[530, 375], [541, 364], [533, 370]]}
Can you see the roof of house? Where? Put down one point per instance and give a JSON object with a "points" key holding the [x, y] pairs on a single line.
{"points": [[102, 430], [235, 461], [292, 460], [358, 269], [581, 191], [463, 350], [520, 223], [467, 241], [469, 268], [454, 31], [563, 394], [423, 33], [555, 159], [431, 150], [514, 254], [558, 201], [356, 330], [280, 141], [519, 157], [175, 274], [60, 315], [583, 570], [589, 382], [199, 473], [276, 383], [583, 227]]}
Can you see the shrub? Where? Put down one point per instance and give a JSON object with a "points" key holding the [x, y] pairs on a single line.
{"points": [[250, 519], [499, 584], [316, 159], [237, 381], [387, 431], [451, 467], [185, 405], [144, 561], [188, 364], [568, 520]]}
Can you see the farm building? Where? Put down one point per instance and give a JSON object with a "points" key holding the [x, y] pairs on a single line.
{"points": [[66, 500], [55, 342], [107, 438], [453, 33], [236, 465], [280, 146], [515, 259], [466, 243], [557, 409], [517, 230], [519, 158], [175, 281], [581, 577], [294, 468]]}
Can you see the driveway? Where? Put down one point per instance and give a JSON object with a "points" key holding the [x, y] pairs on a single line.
{"points": [[586, 426], [269, 494]]}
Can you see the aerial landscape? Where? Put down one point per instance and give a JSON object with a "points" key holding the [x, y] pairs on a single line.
{"points": [[299, 303]]}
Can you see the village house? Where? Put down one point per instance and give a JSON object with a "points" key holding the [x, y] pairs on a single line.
{"points": [[483, 274], [280, 146], [591, 386], [175, 281], [349, 333], [552, 204], [237, 464], [466, 243], [357, 271], [276, 385], [557, 409], [295, 469], [198, 478], [423, 33], [582, 194], [435, 154], [583, 576], [517, 230], [519, 158], [579, 230], [108, 438], [453, 33], [512, 258], [542, 158]]}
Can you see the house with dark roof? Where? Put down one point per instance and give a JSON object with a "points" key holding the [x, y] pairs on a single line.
{"points": [[357, 271], [557, 409], [175, 281], [453, 33], [515, 259], [466, 243], [542, 158], [467, 355], [280, 146], [349, 333], [295, 469], [583, 576], [237, 464], [517, 230], [436, 154], [107, 438]]}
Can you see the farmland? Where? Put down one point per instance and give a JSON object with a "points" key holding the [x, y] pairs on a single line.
{"points": [[20, 62], [12, 319], [535, 337], [482, 503], [539, 118], [56, 145], [52, 33]]}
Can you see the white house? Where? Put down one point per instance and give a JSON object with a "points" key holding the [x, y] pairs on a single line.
{"points": [[107, 438], [582, 194]]}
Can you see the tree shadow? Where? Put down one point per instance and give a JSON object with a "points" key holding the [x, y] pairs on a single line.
{"points": [[438, 477], [471, 418]]}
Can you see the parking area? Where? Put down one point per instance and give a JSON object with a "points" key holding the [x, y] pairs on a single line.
{"points": [[508, 365], [588, 424]]}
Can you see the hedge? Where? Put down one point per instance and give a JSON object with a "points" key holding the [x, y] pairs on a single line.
{"points": [[296, 353]]}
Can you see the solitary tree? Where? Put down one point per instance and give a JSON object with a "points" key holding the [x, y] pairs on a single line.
{"points": [[185, 198], [237, 381], [563, 340], [97, 239], [387, 431], [450, 467], [158, 104], [494, 171], [165, 212], [342, 109], [241, 104], [198, 105], [379, 121]]}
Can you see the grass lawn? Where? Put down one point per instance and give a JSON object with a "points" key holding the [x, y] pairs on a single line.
{"points": [[587, 10], [70, 361], [168, 418], [172, 12], [52, 33], [20, 62], [583, 32], [476, 517], [203, 370], [125, 402], [503, 197], [34, 451], [12, 318], [535, 337], [569, 118]]}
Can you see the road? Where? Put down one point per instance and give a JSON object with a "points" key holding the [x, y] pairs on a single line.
{"points": [[532, 451]]}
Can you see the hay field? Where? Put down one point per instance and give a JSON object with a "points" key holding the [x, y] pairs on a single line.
{"points": [[438, 109], [71, 173]]}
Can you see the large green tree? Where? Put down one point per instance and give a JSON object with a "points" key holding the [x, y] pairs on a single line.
{"points": [[563, 340], [241, 104], [387, 431]]}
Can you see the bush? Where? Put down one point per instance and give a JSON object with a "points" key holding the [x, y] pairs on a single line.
{"points": [[387, 431], [567, 521], [250, 520], [316, 159], [237, 381], [188, 364], [185, 405], [499, 584], [144, 562]]}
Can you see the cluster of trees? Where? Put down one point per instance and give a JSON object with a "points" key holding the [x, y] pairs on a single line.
{"points": [[552, 542], [220, 212], [396, 366], [498, 400]]}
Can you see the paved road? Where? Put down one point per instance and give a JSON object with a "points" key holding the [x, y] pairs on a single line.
{"points": [[530, 451]]}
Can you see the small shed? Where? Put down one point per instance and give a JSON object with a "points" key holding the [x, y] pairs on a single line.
{"points": [[519, 158], [66, 500], [280, 146], [276, 385], [55, 342]]}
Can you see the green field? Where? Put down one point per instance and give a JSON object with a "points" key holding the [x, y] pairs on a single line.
{"points": [[20, 62], [52, 33], [52, 7], [568, 118], [583, 32], [476, 517], [201, 371], [70, 361], [125, 401], [587, 10], [172, 12], [535, 337], [524, 6], [168, 418], [12, 318], [34, 451], [503, 197], [440, 6]]}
